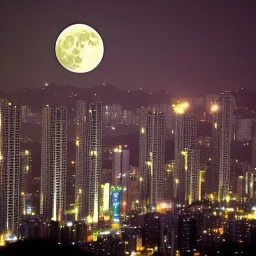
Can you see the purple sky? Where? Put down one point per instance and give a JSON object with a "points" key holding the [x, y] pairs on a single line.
{"points": [[171, 45]]}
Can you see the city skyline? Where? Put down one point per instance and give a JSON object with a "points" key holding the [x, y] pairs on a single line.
{"points": [[151, 153]]}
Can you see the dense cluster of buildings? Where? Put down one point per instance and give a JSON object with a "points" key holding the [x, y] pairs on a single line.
{"points": [[190, 205]]}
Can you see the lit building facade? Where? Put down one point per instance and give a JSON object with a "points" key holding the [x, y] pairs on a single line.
{"points": [[244, 129], [89, 160], [120, 166], [185, 138], [250, 182], [240, 187], [25, 195], [192, 175], [25, 112], [142, 158], [112, 114], [80, 175], [10, 118], [116, 204], [254, 149], [153, 148], [121, 171], [224, 130], [53, 162]]}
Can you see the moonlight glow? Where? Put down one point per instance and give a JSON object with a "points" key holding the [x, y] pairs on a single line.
{"points": [[79, 48]]}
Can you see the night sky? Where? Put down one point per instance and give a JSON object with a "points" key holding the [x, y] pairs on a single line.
{"points": [[175, 45]]}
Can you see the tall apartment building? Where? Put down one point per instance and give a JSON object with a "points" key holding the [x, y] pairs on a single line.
{"points": [[25, 112], [152, 157], [89, 160], [254, 149], [223, 126], [244, 129], [142, 157], [10, 118], [121, 171], [112, 114], [53, 162], [192, 175], [25, 195], [81, 147], [185, 138]]}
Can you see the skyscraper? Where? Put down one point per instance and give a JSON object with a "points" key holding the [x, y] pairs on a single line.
{"points": [[224, 130], [254, 146], [53, 162], [185, 138], [9, 167], [142, 157], [120, 166], [153, 150], [89, 160], [192, 173], [26, 197], [120, 171], [80, 176]]}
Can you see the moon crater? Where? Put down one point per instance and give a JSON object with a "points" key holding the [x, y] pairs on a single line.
{"points": [[79, 48]]}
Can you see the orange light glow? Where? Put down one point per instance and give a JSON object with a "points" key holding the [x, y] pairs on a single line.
{"points": [[214, 108]]}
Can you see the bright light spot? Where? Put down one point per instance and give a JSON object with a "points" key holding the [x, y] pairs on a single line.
{"points": [[69, 224], [11, 238], [185, 105], [214, 108], [180, 108]]}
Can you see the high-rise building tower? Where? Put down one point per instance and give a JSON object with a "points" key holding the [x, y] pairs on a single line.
{"points": [[192, 174], [153, 151], [254, 146], [120, 172], [212, 176], [53, 162], [9, 168], [244, 129], [142, 157], [89, 160], [185, 138], [224, 131], [120, 166], [80, 176], [25, 195]]}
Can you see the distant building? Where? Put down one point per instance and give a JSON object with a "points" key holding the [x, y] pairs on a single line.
{"points": [[244, 129], [25, 111]]}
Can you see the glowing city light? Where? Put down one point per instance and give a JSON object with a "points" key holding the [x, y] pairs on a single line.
{"points": [[118, 150], [214, 108], [180, 108], [185, 105]]}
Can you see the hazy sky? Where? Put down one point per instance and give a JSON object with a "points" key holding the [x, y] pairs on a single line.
{"points": [[172, 45]]}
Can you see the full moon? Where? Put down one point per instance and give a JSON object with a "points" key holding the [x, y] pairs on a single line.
{"points": [[79, 48]]}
